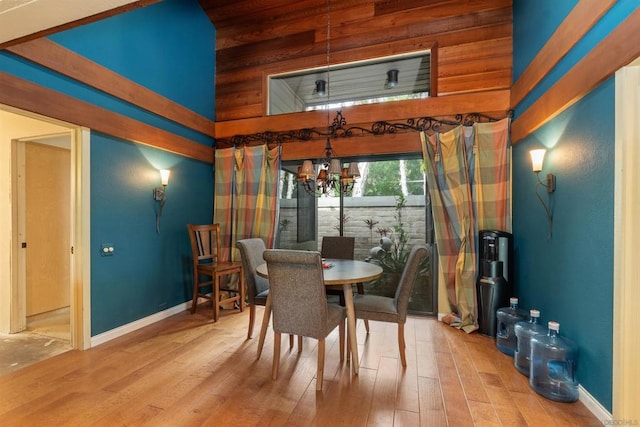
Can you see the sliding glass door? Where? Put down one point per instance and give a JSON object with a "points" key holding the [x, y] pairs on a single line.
{"points": [[387, 211]]}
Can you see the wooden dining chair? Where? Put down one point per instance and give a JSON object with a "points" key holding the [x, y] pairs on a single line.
{"points": [[341, 247], [394, 310], [206, 251], [299, 303]]}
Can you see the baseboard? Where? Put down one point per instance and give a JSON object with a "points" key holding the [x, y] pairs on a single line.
{"points": [[594, 406], [140, 323]]}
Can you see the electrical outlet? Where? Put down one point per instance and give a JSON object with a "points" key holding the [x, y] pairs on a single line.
{"points": [[107, 249]]}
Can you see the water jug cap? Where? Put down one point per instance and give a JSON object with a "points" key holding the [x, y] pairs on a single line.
{"points": [[555, 326], [513, 300], [534, 313]]}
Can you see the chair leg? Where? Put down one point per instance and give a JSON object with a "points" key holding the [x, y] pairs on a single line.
{"points": [[241, 291], [320, 372], [265, 325], [341, 336], [216, 298], [299, 343], [290, 341], [277, 338], [252, 319], [366, 324], [194, 304], [401, 344]]}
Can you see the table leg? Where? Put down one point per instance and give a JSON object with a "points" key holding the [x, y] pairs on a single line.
{"points": [[351, 326], [265, 325]]}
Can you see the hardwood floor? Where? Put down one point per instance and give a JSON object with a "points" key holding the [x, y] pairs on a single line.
{"points": [[188, 371]]}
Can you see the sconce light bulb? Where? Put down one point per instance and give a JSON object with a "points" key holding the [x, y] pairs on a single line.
{"points": [[537, 157], [164, 176]]}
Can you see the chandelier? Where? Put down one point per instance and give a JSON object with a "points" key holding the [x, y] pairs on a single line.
{"points": [[332, 174]]}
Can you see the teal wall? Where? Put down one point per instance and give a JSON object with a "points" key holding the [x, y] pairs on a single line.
{"points": [[168, 47], [570, 276]]}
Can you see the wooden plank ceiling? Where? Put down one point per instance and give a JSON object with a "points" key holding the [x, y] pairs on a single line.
{"points": [[470, 41]]}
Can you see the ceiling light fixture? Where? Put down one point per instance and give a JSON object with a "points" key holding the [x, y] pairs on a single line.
{"points": [[331, 175], [392, 78], [321, 86]]}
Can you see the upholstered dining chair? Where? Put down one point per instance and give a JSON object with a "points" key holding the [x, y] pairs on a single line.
{"points": [[299, 303], [251, 251], [394, 310], [340, 247], [206, 252]]}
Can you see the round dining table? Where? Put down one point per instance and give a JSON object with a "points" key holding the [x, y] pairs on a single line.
{"points": [[344, 272]]}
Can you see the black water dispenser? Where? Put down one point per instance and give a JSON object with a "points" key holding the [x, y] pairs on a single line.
{"points": [[495, 277]]}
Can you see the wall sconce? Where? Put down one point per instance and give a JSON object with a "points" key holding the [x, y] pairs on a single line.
{"points": [[159, 195], [392, 79], [537, 158]]}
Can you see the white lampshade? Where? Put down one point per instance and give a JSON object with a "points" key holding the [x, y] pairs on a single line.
{"points": [[537, 157], [354, 172], [307, 171], [164, 176], [335, 168]]}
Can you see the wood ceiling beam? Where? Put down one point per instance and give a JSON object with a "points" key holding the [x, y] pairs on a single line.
{"points": [[34, 98], [488, 102], [615, 51], [57, 58], [581, 19]]}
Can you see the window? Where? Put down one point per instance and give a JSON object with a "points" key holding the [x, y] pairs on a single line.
{"points": [[390, 200], [381, 80]]}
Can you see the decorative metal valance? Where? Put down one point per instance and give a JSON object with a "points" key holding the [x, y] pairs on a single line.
{"points": [[339, 129]]}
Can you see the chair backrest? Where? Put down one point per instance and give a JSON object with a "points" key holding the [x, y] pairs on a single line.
{"points": [[410, 274], [251, 251], [338, 247], [298, 297], [205, 242]]}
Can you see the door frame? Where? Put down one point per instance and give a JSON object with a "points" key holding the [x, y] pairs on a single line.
{"points": [[626, 292], [80, 268]]}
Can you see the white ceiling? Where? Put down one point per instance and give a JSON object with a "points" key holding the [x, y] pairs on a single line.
{"points": [[19, 18]]}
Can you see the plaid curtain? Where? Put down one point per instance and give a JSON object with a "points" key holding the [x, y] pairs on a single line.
{"points": [[467, 173], [246, 195]]}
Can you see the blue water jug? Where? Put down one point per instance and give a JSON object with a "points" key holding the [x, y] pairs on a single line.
{"points": [[524, 331], [554, 361], [507, 317]]}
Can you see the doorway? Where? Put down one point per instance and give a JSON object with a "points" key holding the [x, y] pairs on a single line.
{"points": [[44, 230], [66, 299]]}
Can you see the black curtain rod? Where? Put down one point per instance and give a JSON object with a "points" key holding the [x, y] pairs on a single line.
{"points": [[339, 129]]}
